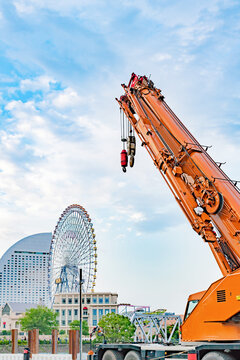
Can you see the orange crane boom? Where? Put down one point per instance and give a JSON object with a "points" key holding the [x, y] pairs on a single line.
{"points": [[206, 195]]}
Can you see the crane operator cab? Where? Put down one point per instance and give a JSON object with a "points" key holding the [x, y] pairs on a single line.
{"points": [[193, 300]]}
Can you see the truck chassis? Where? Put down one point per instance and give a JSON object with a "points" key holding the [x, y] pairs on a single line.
{"points": [[200, 351]]}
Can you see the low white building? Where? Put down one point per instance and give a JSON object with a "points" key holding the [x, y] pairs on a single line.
{"points": [[11, 313], [94, 306]]}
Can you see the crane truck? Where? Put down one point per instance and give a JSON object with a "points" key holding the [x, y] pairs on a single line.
{"points": [[210, 201]]}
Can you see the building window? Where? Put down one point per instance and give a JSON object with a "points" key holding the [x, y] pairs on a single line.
{"points": [[100, 300], [88, 300], [75, 312], [85, 312], [94, 322], [113, 311], [106, 299], [69, 312], [63, 312], [94, 312], [75, 300], [70, 300], [63, 322], [57, 311], [83, 300], [106, 311], [94, 299], [100, 313], [63, 301]]}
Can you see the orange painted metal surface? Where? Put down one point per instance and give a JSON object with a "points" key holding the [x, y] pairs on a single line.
{"points": [[206, 195]]}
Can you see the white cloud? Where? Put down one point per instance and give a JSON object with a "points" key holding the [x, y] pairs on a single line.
{"points": [[40, 83], [161, 57], [67, 98], [23, 7], [137, 217], [196, 33]]}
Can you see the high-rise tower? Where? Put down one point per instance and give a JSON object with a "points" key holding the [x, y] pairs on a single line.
{"points": [[24, 270]]}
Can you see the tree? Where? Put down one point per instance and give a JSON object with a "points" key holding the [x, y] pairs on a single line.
{"points": [[75, 324], [175, 336], [41, 318], [117, 328]]}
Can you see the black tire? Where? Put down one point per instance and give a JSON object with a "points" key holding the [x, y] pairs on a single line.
{"points": [[218, 355], [133, 355], [112, 355]]}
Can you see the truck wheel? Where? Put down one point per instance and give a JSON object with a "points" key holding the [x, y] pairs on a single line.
{"points": [[133, 355], [112, 355], [217, 355]]}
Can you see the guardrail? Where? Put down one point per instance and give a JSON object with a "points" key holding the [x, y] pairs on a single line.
{"points": [[37, 357]]}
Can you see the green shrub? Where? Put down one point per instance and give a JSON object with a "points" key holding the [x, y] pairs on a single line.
{"points": [[6, 332]]}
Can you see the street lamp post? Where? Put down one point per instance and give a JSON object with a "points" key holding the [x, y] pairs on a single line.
{"points": [[80, 312]]}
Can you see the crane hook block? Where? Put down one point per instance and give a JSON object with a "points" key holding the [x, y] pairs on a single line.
{"points": [[124, 160]]}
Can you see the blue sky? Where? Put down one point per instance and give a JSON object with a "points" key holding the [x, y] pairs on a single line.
{"points": [[61, 67]]}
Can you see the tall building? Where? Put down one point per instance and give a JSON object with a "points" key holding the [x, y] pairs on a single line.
{"points": [[24, 271]]}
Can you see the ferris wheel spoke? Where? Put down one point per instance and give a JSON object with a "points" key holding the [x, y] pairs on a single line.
{"points": [[82, 244], [80, 250], [72, 247]]}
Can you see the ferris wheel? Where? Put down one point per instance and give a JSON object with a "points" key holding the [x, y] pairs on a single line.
{"points": [[73, 246]]}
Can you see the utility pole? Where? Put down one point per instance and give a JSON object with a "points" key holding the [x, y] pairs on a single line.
{"points": [[80, 312]]}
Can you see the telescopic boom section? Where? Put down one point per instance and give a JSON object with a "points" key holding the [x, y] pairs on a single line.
{"points": [[208, 198]]}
